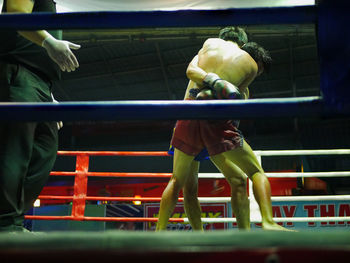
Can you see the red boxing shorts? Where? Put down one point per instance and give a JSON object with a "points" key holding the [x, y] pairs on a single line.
{"points": [[191, 136]]}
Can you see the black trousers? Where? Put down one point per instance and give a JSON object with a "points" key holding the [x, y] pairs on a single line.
{"points": [[27, 149]]}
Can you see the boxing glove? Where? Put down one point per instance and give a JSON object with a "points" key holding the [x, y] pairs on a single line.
{"points": [[221, 89], [205, 94]]}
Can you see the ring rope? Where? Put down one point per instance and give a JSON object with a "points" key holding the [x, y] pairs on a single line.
{"points": [[301, 152], [206, 175], [202, 175], [160, 18], [202, 199], [165, 110], [113, 153], [115, 174], [81, 177], [163, 153], [185, 219], [285, 175], [277, 219]]}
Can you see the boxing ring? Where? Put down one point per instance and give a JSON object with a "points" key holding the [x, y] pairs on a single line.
{"points": [[254, 246], [81, 175]]}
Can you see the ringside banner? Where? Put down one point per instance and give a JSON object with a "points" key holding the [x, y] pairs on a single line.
{"points": [[217, 210], [312, 209]]}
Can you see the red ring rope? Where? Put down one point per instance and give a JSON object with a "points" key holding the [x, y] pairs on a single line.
{"points": [[80, 186]]}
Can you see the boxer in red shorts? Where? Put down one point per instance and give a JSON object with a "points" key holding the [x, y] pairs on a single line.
{"points": [[222, 69], [216, 136]]}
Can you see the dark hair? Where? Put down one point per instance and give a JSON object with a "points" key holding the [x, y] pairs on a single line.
{"points": [[235, 34], [259, 54]]}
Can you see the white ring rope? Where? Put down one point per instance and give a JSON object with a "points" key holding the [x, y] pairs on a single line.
{"points": [[308, 174], [276, 219], [302, 152], [288, 175], [255, 215], [282, 198], [311, 198], [283, 175], [259, 153]]}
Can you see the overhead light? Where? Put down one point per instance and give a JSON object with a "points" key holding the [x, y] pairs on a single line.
{"points": [[37, 203], [137, 202]]}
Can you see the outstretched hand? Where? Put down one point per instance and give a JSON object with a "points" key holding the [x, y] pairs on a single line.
{"points": [[60, 51]]}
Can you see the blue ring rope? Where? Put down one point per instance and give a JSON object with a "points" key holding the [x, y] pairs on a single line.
{"points": [[165, 110], [338, 104], [147, 19]]}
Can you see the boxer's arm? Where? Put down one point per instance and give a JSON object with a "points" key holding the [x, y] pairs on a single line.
{"points": [[195, 73], [58, 50], [26, 6], [199, 76]]}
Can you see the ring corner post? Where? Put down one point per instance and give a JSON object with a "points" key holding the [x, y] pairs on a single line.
{"points": [[80, 186], [334, 54]]}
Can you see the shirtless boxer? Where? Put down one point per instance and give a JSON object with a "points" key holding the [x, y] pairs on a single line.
{"points": [[230, 68]]}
